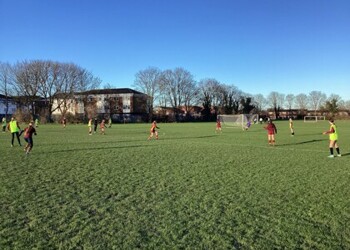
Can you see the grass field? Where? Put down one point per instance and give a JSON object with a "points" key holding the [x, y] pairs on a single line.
{"points": [[192, 189]]}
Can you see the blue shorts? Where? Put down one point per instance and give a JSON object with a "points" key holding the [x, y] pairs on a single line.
{"points": [[29, 140]]}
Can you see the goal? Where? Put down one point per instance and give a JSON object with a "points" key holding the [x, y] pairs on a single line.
{"points": [[314, 118], [237, 121]]}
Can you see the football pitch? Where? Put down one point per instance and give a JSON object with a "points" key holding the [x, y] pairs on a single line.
{"points": [[191, 189]]}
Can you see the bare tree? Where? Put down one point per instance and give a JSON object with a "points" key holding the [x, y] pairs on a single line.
{"points": [[6, 84], [178, 85], [259, 102], [301, 101], [338, 99], [107, 86], [219, 97], [205, 96], [210, 95], [231, 98], [190, 94], [148, 82], [346, 105], [86, 80], [316, 99], [49, 84], [73, 78], [290, 98], [27, 83], [281, 100], [272, 100], [68, 76], [276, 101]]}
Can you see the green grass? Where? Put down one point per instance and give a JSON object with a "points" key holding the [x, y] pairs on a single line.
{"points": [[192, 189]]}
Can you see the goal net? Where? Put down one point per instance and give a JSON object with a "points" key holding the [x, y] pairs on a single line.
{"points": [[314, 118], [238, 121]]}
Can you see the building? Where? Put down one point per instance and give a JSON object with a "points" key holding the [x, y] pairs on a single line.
{"points": [[122, 105], [8, 105]]}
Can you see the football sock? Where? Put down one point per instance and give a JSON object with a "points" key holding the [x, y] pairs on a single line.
{"points": [[338, 151], [331, 151]]}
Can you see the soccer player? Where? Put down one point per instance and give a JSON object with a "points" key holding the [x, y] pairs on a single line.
{"points": [[110, 122], [333, 139], [90, 126], [247, 126], [153, 130], [64, 122], [4, 124], [28, 137], [291, 126], [36, 122], [102, 127], [95, 124], [218, 126], [271, 131], [14, 129]]}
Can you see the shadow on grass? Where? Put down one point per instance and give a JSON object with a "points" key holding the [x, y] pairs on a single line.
{"points": [[306, 134], [310, 141], [161, 138], [189, 137], [302, 142], [97, 148]]}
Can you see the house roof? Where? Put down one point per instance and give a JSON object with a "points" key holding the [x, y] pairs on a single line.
{"points": [[4, 96], [110, 91]]}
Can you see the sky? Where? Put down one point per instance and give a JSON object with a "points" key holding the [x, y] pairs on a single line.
{"points": [[259, 46]]}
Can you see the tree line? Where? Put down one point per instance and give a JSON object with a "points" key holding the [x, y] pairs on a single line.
{"points": [[177, 88], [28, 81]]}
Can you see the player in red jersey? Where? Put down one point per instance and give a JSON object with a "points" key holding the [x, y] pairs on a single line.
{"points": [[28, 137], [271, 131], [102, 127], [218, 126], [153, 130]]}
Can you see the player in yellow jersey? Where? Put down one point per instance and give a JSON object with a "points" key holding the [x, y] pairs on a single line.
{"points": [[15, 130], [90, 126], [291, 126], [333, 139]]}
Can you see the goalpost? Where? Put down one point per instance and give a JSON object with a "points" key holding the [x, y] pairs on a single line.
{"points": [[314, 118], [238, 121]]}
